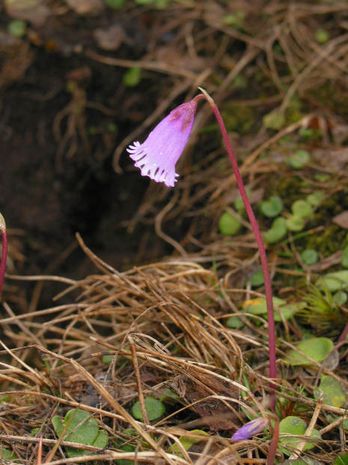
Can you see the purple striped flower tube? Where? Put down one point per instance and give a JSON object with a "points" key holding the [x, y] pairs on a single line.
{"points": [[156, 157]]}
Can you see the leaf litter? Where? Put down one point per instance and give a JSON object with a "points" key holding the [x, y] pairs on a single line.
{"points": [[115, 339]]}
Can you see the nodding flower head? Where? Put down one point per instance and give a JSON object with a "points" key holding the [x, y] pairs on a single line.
{"points": [[250, 429], [157, 155]]}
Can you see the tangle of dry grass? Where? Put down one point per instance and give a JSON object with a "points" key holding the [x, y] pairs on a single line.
{"points": [[160, 327], [114, 338]]}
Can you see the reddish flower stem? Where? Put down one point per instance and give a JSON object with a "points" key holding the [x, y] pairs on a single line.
{"points": [[272, 451], [264, 264], [344, 334], [4, 250], [258, 237]]}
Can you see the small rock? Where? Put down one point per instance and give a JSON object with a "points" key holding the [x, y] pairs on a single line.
{"points": [[109, 39]]}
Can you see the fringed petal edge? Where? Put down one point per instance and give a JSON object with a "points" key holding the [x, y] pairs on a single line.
{"points": [[149, 168]]}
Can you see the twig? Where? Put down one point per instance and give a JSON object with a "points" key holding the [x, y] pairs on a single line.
{"points": [[4, 252], [138, 380], [308, 432]]}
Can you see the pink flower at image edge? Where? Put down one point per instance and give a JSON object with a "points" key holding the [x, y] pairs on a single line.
{"points": [[157, 156]]}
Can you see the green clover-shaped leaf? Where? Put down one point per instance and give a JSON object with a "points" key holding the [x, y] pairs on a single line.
{"points": [[315, 348], [335, 281], [229, 224], [79, 426], [291, 434], [272, 206], [277, 231], [331, 391], [299, 159], [155, 409]]}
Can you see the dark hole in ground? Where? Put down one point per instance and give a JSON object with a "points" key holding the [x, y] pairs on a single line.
{"points": [[52, 201]]}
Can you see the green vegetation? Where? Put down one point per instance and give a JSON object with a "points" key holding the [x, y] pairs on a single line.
{"points": [[79, 426], [155, 409], [315, 349]]}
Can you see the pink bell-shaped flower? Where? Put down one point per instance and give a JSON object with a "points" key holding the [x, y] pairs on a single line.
{"points": [[157, 155]]}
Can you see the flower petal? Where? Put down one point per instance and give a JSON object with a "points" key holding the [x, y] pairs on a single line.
{"points": [[157, 156], [250, 429]]}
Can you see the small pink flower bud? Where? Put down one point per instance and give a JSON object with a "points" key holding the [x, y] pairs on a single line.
{"points": [[250, 429]]}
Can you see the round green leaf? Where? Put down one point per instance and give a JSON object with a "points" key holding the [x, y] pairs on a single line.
{"points": [[168, 395], [188, 441], [257, 278], [17, 28], [272, 206], [229, 224], [330, 391], [299, 159], [277, 231], [155, 409], [234, 322], [336, 281], [309, 256], [295, 223], [322, 177], [309, 134], [35, 431], [80, 427], [311, 442], [302, 209], [107, 359], [282, 310], [235, 20], [7, 454], [292, 425], [58, 425], [274, 120], [315, 348], [344, 259], [132, 77], [238, 202], [258, 306], [340, 298], [315, 198], [291, 431], [101, 440], [321, 36], [125, 448]]}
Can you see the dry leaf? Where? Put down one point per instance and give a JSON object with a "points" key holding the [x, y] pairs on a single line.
{"points": [[109, 39], [341, 220], [16, 59], [34, 11], [85, 7]]}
